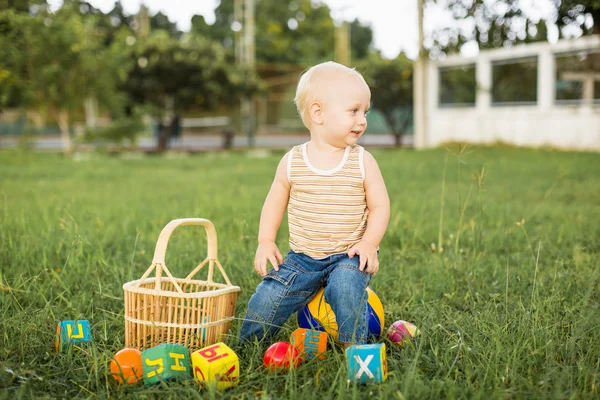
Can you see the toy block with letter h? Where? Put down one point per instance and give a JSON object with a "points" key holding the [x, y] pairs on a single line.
{"points": [[165, 362], [72, 332], [367, 363], [216, 364], [309, 343]]}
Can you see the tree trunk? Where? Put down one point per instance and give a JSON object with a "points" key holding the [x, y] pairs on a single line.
{"points": [[596, 18], [63, 123], [163, 137], [397, 135], [90, 106], [166, 132], [398, 139]]}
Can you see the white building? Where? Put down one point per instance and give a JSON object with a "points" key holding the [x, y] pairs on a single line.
{"points": [[538, 94]]}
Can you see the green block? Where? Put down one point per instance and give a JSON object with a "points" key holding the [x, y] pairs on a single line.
{"points": [[166, 362]]}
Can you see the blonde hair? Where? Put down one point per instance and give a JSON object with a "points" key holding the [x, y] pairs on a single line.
{"points": [[306, 92]]}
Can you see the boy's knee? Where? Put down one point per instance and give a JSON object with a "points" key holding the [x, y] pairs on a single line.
{"points": [[348, 276], [263, 304]]}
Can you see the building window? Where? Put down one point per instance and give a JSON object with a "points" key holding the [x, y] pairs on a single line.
{"points": [[514, 82], [457, 86], [578, 77]]}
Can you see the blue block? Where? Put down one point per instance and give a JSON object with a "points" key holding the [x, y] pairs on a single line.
{"points": [[72, 332], [367, 363]]}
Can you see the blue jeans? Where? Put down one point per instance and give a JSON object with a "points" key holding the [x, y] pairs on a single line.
{"points": [[284, 292]]}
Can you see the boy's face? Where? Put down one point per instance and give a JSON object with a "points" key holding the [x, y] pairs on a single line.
{"points": [[345, 110]]}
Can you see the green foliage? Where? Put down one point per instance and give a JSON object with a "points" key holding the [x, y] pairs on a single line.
{"points": [[65, 62], [574, 12], [160, 21], [20, 5], [506, 310], [119, 132], [11, 81], [501, 23], [172, 76], [287, 31], [361, 38], [391, 83]]}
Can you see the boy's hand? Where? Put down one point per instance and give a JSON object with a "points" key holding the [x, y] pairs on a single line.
{"points": [[267, 251], [368, 256]]}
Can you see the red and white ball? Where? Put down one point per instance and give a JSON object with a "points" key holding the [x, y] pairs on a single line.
{"points": [[401, 332]]}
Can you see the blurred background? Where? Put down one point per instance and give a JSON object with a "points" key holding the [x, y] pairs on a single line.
{"points": [[156, 75]]}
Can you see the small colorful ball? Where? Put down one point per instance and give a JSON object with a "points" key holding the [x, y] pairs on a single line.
{"points": [[401, 332], [126, 366], [281, 355]]}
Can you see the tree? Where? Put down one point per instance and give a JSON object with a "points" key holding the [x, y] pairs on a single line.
{"points": [[170, 76], [201, 28], [505, 23], [391, 90], [361, 38], [575, 13], [287, 31], [12, 13], [57, 61], [160, 21]]}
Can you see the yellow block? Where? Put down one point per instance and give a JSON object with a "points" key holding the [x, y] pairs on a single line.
{"points": [[216, 364]]}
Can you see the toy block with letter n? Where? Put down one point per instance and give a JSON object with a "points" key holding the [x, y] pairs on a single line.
{"points": [[309, 343], [72, 332], [216, 364], [165, 362], [367, 363]]}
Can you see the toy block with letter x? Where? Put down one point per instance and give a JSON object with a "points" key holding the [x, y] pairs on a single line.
{"points": [[72, 332], [367, 363], [309, 343], [216, 364], [166, 362]]}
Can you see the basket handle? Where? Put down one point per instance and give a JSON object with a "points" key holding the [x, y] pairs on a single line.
{"points": [[158, 261], [165, 234]]}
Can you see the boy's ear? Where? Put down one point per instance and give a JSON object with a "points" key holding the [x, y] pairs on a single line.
{"points": [[316, 113]]}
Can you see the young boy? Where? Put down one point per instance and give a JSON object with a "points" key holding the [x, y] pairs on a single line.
{"points": [[338, 208]]}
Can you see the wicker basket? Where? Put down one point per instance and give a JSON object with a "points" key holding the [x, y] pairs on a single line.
{"points": [[190, 312]]}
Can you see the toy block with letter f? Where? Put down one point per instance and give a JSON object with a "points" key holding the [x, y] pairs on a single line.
{"points": [[165, 362], [216, 364], [310, 344], [72, 332], [367, 363]]}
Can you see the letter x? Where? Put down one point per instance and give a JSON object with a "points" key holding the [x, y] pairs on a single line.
{"points": [[364, 366]]}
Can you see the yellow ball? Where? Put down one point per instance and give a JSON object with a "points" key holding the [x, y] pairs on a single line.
{"points": [[318, 315]]}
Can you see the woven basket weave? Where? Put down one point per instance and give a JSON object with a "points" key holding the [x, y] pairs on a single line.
{"points": [[194, 313]]}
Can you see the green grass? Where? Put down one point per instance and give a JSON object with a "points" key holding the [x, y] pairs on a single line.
{"points": [[508, 309]]}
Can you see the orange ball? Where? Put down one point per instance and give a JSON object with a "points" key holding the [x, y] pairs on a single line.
{"points": [[126, 366]]}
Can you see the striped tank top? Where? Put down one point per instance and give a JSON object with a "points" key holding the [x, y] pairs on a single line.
{"points": [[327, 210]]}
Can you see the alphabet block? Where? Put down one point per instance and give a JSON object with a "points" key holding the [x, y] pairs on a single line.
{"points": [[216, 364], [310, 344], [367, 363], [166, 362], [72, 332]]}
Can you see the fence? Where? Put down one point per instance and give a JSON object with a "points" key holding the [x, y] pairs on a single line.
{"points": [[530, 95]]}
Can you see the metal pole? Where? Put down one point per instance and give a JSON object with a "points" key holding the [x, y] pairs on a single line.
{"points": [[420, 86], [238, 16], [342, 43], [248, 104]]}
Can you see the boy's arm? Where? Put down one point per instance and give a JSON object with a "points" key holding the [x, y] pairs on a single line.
{"points": [[270, 220], [378, 203]]}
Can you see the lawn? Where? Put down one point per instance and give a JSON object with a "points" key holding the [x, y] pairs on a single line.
{"points": [[494, 253]]}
